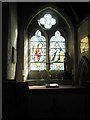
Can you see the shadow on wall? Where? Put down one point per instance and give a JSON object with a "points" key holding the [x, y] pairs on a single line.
{"points": [[83, 71]]}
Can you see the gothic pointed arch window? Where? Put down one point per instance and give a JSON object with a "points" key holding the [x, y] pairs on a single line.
{"points": [[57, 51], [47, 47], [38, 52]]}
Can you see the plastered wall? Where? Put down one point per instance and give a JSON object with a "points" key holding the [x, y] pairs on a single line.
{"points": [[12, 40]]}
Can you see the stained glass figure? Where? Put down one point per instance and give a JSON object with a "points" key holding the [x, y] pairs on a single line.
{"points": [[57, 52], [47, 21], [37, 52]]}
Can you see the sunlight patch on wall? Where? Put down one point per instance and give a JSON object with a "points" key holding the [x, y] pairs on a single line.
{"points": [[25, 71]]}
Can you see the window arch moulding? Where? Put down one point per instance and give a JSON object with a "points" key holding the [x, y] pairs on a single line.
{"points": [[42, 59]]}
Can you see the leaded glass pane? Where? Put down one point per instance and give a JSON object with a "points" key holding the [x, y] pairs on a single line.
{"points": [[57, 66], [47, 21], [38, 66], [38, 52], [84, 44], [57, 52], [58, 58], [38, 58]]}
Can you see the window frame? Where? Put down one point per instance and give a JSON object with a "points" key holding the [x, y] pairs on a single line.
{"points": [[38, 73]]}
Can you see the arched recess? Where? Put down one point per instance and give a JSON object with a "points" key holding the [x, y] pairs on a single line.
{"points": [[84, 71], [63, 24]]}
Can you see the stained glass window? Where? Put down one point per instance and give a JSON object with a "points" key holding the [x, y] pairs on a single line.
{"points": [[38, 52], [57, 51], [84, 45], [47, 21]]}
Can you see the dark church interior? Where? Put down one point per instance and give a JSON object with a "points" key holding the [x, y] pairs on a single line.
{"points": [[46, 60]]}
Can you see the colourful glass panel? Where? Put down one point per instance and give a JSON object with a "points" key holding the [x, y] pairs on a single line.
{"points": [[57, 52], [38, 52], [84, 45]]}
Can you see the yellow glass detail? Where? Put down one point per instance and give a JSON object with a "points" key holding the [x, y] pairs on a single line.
{"points": [[84, 45]]}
